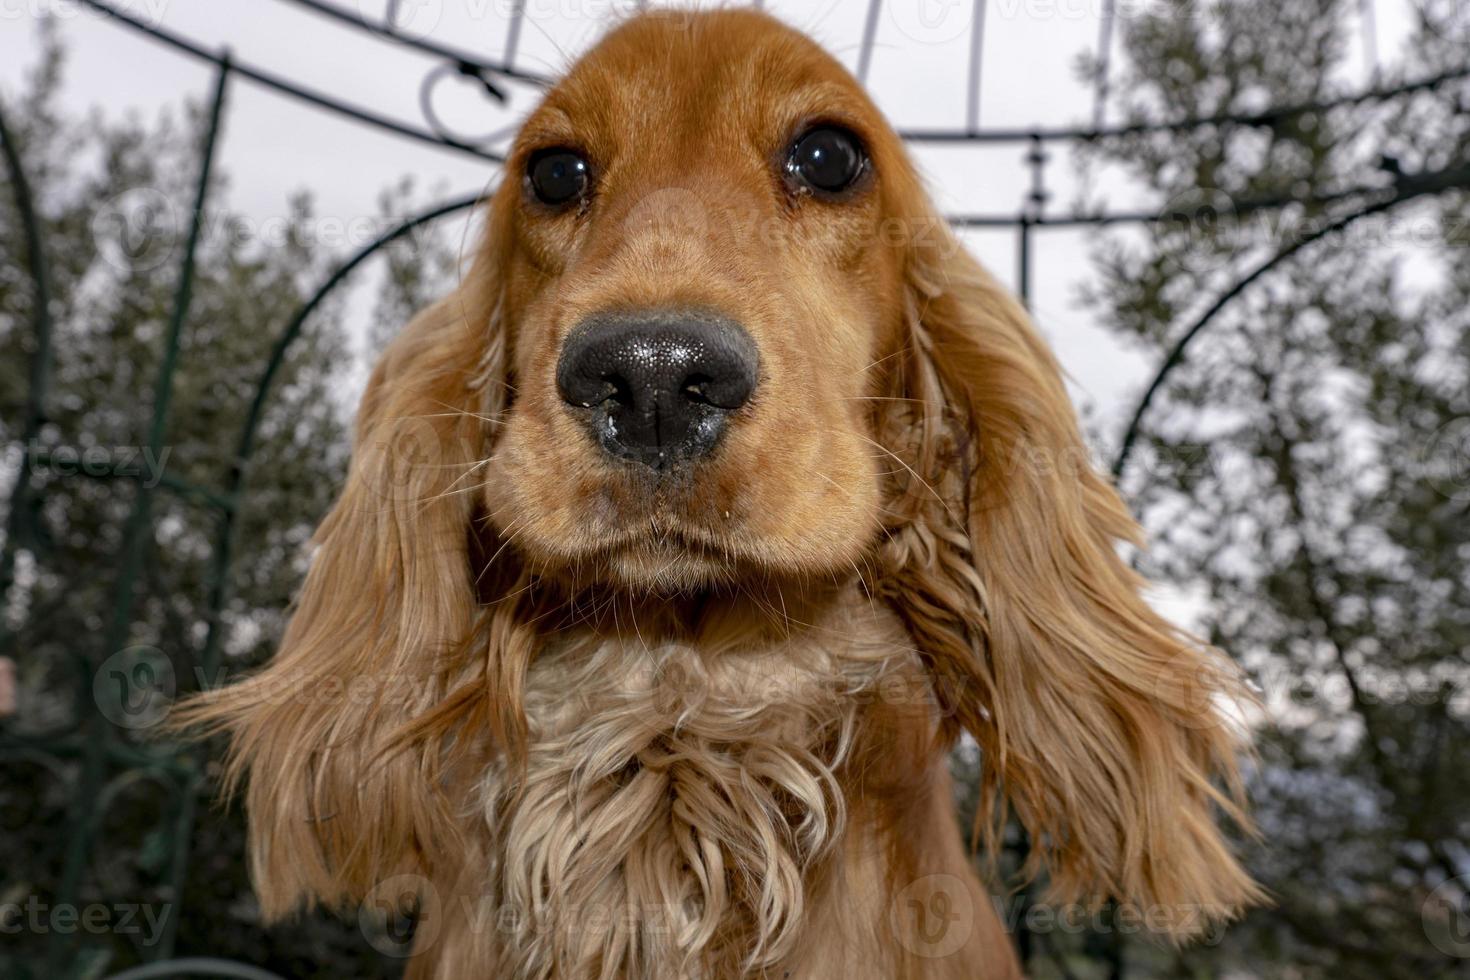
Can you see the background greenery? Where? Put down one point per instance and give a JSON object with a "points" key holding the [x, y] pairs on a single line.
{"points": [[1307, 472]]}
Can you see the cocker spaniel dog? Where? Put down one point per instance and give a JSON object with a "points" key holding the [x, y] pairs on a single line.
{"points": [[681, 544]]}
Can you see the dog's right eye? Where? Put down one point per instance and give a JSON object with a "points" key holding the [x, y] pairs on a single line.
{"points": [[558, 176]]}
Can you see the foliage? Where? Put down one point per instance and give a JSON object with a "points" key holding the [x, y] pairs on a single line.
{"points": [[114, 198], [1307, 468]]}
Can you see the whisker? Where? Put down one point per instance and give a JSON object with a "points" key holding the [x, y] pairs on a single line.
{"points": [[912, 472]]}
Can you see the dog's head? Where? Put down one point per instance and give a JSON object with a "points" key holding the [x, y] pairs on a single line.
{"points": [[717, 336], [702, 240]]}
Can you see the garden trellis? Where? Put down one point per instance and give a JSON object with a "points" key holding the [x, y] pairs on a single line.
{"points": [[106, 760]]}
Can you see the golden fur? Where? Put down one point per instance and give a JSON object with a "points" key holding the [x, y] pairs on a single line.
{"points": [[622, 728]]}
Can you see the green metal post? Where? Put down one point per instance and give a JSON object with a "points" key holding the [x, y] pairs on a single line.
{"points": [[20, 495], [101, 732]]}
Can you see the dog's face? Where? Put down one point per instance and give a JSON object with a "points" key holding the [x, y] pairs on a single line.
{"points": [[715, 336], [702, 272]]}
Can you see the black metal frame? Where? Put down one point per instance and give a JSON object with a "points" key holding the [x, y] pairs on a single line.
{"points": [[95, 742]]}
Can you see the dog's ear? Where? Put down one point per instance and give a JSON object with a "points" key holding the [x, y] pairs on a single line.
{"points": [[1098, 721], [335, 802]]}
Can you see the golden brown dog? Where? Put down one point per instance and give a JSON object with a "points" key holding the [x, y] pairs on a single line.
{"points": [[683, 541]]}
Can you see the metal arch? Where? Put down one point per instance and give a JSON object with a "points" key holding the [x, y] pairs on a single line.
{"points": [[870, 37], [191, 966], [513, 33], [1074, 220], [1406, 189], [273, 81], [505, 67], [431, 115], [245, 447], [966, 134], [40, 373], [1266, 117], [98, 734], [293, 328], [977, 60], [97, 745]]}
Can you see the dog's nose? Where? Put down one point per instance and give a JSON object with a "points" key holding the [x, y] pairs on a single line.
{"points": [[658, 386]]}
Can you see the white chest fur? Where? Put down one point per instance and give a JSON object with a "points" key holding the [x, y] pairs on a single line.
{"points": [[676, 800]]}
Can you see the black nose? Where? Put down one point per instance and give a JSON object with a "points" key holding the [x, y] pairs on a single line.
{"points": [[658, 385]]}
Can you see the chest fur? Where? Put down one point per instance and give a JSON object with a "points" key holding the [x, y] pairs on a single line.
{"points": [[678, 805]]}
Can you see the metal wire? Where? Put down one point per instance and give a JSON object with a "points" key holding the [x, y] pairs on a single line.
{"points": [[977, 47], [387, 31], [197, 966], [1406, 189], [513, 33], [870, 37], [273, 81], [1266, 117], [140, 518], [19, 514]]}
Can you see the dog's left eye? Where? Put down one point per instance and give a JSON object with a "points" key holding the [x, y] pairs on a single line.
{"points": [[558, 176], [826, 159]]}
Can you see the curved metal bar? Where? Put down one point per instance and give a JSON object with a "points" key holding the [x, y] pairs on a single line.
{"points": [[1243, 207], [278, 351], [273, 81], [140, 518], [870, 36], [1406, 189], [977, 51], [207, 966], [188, 796], [1081, 134], [457, 55], [431, 115], [1267, 117], [513, 33], [40, 375], [115, 469], [224, 548]]}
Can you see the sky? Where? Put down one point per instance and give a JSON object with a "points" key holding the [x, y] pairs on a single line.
{"points": [[273, 146]]}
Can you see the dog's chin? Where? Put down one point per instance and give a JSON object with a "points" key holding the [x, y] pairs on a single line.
{"points": [[672, 563], [659, 564], [671, 568]]}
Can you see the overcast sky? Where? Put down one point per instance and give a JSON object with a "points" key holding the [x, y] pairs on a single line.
{"points": [[273, 146]]}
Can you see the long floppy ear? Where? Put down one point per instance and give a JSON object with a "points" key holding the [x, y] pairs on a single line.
{"points": [[1098, 720], [378, 636]]}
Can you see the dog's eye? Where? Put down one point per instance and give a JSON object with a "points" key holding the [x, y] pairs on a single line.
{"points": [[558, 176], [826, 159]]}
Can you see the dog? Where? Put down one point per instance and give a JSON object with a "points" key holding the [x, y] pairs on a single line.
{"points": [[683, 542]]}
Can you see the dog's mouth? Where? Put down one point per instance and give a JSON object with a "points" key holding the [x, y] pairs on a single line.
{"points": [[672, 553]]}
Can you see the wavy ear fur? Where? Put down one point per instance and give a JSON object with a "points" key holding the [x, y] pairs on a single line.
{"points": [[335, 805], [1098, 720]]}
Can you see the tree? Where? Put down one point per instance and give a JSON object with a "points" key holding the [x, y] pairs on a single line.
{"points": [[1306, 467], [114, 198]]}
